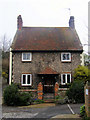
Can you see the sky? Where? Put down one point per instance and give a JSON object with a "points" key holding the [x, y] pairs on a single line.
{"points": [[44, 13]]}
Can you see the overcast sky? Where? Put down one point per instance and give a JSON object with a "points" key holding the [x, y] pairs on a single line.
{"points": [[44, 13]]}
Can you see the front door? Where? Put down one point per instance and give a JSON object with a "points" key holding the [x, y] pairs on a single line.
{"points": [[48, 85]]}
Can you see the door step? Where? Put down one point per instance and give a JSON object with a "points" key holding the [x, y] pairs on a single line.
{"points": [[49, 101], [49, 97]]}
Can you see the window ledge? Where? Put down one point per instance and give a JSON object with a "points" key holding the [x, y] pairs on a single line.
{"points": [[66, 61], [28, 90], [26, 61], [26, 85], [63, 89]]}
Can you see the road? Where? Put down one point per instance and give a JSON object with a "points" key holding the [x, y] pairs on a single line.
{"points": [[40, 112]]}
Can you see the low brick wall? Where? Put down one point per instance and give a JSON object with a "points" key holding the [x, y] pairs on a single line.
{"points": [[87, 99], [32, 91], [62, 91]]}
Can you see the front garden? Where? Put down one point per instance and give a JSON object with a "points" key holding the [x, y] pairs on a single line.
{"points": [[12, 96]]}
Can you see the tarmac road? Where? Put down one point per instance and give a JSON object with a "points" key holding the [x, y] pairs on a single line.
{"points": [[40, 112]]}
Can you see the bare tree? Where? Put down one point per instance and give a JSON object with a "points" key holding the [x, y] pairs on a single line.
{"points": [[5, 43]]}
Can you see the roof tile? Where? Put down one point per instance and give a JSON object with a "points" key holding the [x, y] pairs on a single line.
{"points": [[46, 38]]}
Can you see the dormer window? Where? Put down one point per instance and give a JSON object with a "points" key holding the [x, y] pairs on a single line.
{"points": [[65, 57], [26, 56]]}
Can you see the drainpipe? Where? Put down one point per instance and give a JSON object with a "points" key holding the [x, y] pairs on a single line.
{"points": [[10, 67]]}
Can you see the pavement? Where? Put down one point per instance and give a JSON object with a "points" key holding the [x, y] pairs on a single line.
{"points": [[67, 116], [43, 111]]}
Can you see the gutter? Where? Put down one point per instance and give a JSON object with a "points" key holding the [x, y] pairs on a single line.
{"points": [[10, 67]]}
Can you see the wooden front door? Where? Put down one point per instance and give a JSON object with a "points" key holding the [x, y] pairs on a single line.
{"points": [[49, 83]]}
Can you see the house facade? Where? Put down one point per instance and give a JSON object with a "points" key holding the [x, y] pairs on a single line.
{"points": [[44, 55]]}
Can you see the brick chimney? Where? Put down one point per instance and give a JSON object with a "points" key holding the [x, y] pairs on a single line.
{"points": [[19, 22], [71, 22]]}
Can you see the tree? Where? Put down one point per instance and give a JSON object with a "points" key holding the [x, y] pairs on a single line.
{"points": [[82, 73], [5, 43]]}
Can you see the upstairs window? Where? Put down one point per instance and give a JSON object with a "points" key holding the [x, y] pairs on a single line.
{"points": [[65, 57], [26, 56], [65, 78], [26, 79]]}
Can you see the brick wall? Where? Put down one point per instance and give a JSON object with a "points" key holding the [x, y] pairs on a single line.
{"points": [[56, 89], [87, 99], [40, 91]]}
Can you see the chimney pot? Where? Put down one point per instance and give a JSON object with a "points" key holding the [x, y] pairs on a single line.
{"points": [[19, 22], [71, 22]]}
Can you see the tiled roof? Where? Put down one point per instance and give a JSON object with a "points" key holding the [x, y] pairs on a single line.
{"points": [[46, 38], [48, 70]]}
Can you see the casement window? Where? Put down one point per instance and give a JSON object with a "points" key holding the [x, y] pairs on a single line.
{"points": [[65, 57], [26, 56], [26, 79], [65, 78]]}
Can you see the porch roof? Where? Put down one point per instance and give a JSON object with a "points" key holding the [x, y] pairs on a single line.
{"points": [[48, 70]]}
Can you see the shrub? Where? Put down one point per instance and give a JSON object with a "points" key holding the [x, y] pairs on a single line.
{"points": [[38, 101], [12, 97], [86, 118], [82, 110], [24, 99], [57, 97], [83, 113], [76, 92], [81, 73]]}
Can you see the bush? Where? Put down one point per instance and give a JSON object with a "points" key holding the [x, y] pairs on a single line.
{"points": [[76, 92], [82, 110], [24, 99], [38, 101], [86, 118], [81, 73], [83, 113], [12, 97]]}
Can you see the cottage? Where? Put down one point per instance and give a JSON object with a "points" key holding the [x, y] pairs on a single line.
{"points": [[44, 58]]}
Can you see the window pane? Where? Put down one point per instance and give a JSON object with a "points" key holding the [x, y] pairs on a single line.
{"points": [[63, 78], [24, 56], [68, 78], [28, 56], [68, 57], [64, 57], [24, 79], [28, 79]]}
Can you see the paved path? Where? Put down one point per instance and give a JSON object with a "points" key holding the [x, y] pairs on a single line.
{"points": [[40, 111]]}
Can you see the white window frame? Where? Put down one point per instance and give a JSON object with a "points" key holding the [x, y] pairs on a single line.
{"points": [[65, 78], [27, 53], [65, 53], [26, 80]]}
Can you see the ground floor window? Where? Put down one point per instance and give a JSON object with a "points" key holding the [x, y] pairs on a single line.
{"points": [[26, 79], [65, 78]]}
